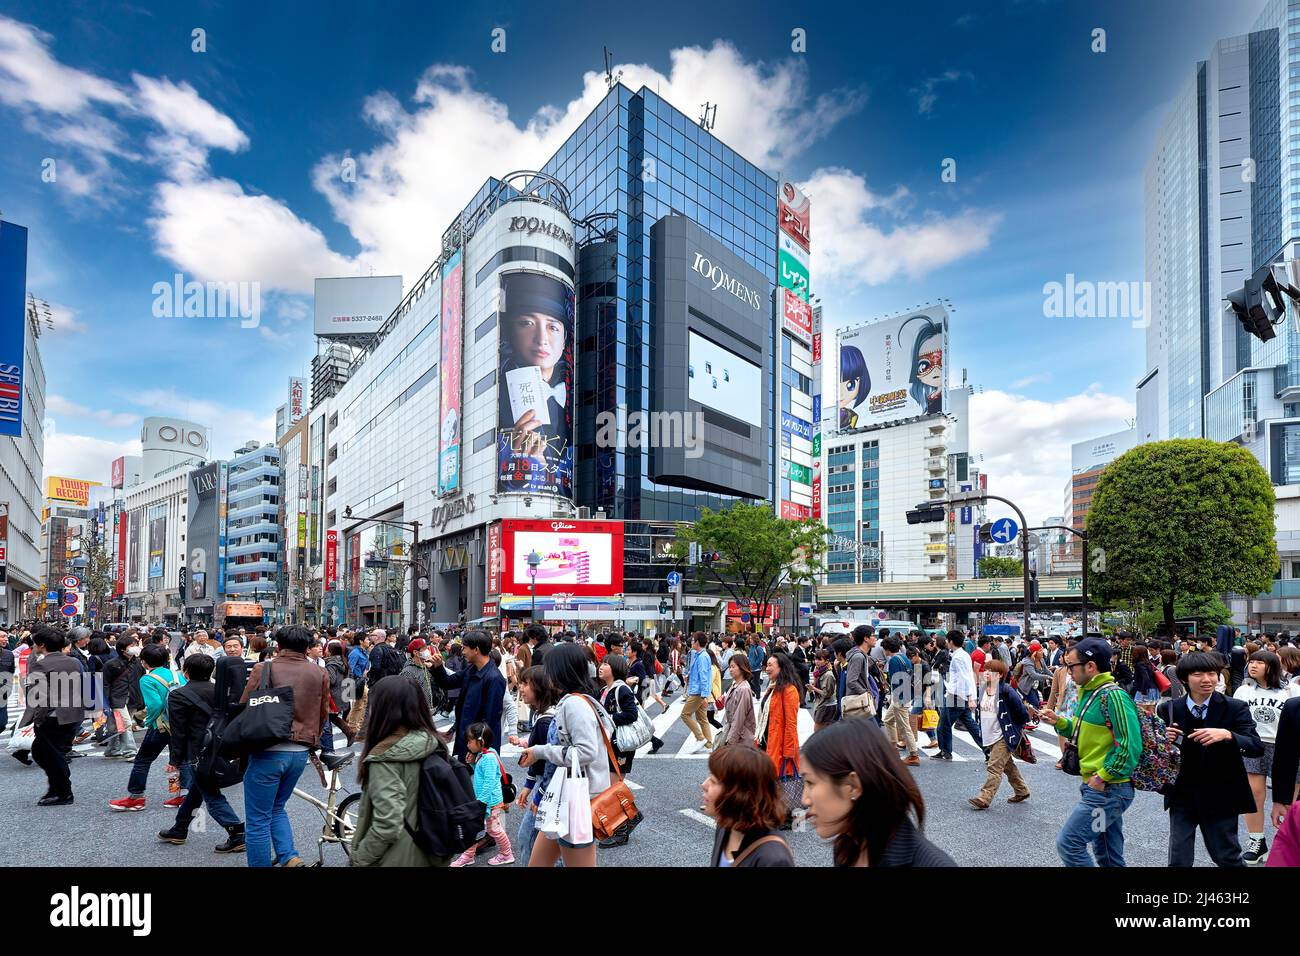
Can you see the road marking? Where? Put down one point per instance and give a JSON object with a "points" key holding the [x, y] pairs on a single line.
{"points": [[663, 721], [698, 817]]}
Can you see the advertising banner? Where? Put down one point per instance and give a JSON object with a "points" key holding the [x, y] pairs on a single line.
{"points": [[817, 413], [297, 402], [794, 512], [796, 317], [577, 557], [535, 394], [134, 532], [119, 472], [4, 533], [793, 274], [119, 528], [794, 425], [893, 370], [13, 326], [331, 559], [223, 475], [793, 213], [202, 542], [795, 251], [817, 487], [355, 305], [157, 547], [722, 380], [69, 489], [496, 558], [449, 373], [302, 530], [796, 472]]}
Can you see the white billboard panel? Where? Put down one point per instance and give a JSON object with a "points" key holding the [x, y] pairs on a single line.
{"points": [[355, 305], [723, 380]]}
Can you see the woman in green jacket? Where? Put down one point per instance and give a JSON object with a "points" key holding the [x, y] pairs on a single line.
{"points": [[399, 735]]}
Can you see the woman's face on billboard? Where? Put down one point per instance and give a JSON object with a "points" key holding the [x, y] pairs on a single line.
{"points": [[538, 339]]}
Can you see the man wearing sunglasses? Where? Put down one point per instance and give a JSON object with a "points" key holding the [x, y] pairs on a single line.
{"points": [[1109, 737]]}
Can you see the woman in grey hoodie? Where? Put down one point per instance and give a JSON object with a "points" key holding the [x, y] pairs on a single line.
{"points": [[577, 728]]}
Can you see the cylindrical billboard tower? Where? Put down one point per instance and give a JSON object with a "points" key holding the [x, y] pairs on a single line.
{"points": [[168, 442]]}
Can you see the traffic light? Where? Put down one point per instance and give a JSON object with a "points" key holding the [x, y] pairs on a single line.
{"points": [[1260, 304], [710, 557], [663, 608], [927, 512], [1033, 586]]}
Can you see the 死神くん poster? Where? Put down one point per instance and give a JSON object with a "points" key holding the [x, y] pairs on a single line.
{"points": [[535, 385]]}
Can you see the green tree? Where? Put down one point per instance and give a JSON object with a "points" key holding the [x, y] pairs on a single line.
{"points": [[759, 553], [1176, 520], [1207, 612], [992, 567], [97, 579]]}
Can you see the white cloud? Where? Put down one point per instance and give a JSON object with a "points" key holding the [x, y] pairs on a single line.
{"points": [[80, 456], [852, 248], [31, 78], [64, 320], [58, 405], [1025, 443], [926, 94], [230, 426]]}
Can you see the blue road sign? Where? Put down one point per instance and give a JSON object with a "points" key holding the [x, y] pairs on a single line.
{"points": [[68, 610], [674, 579], [1004, 530]]}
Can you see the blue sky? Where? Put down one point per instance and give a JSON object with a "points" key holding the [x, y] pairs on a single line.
{"points": [[223, 165]]}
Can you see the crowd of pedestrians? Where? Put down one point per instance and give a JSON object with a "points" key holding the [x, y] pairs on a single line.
{"points": [[1210, 724]]}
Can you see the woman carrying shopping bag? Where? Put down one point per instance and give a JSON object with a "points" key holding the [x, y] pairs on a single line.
{"points": [[576, 745]]}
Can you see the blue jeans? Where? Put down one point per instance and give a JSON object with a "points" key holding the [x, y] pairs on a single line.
{"points": [[196, 796], [268, 784], [526, 835], [155, 742], [1098, 818], [958, 713]]}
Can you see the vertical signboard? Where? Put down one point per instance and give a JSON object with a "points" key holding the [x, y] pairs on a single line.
{"points": [[496, 557], [793, 213], [120, 526], [223, 476], [157, 547], [201, 525], [449, 427], [331, 559], [4, 536], [119, 473], [817, 414], [13, 326], [535, 386], [297, 389], [134, 532]]}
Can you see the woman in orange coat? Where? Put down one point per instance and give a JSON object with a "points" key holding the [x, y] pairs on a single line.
{"points": [[778, 720]]}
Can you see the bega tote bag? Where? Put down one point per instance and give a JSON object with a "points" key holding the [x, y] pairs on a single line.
{"points": [[266, 720]]}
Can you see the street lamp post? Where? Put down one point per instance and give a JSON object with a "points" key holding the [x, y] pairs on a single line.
{"points": [[969, 496], [534, 559], [1083, 536]]}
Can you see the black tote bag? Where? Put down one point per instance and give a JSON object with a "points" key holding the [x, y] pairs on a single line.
{"points": [[266, 720]]}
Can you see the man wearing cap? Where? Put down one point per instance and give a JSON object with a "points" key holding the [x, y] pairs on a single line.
{"points": [[1106, 731]]}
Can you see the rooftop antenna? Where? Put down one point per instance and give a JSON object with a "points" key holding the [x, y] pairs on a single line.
{"points": [[709, 116], [611, 78]]}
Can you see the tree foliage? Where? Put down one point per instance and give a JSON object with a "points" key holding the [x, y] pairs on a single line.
{"points": [[992, 567], [759, 552], [1177, 520]]}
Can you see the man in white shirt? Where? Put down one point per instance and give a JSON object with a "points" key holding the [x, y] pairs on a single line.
{"points": [[958, 698]]}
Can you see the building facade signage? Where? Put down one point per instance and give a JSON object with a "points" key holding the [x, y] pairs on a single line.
{"points": [[532, 225], [721, 279], [444, 513]]}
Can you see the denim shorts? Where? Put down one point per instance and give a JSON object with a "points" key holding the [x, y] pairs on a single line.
{"points": [[1261, 764], [566, 844]]}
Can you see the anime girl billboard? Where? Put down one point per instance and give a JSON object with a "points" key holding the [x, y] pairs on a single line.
{"points": [[893, 369]]}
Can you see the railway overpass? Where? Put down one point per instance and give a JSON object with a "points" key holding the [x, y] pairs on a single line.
{"points": [[1059, 592]]}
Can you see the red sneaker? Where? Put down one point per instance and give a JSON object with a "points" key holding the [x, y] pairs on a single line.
{"points": [[175, 801], [127, 803]]}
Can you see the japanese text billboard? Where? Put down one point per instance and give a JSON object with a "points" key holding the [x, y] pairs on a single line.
{"points": [[892, 370]]}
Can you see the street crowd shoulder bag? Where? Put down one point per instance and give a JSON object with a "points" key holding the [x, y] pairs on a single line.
{"points": [[266, 720], [1158, 764], [614, 806], [1025, 751], [790, 782], [508, 789], [1070, 755], [770, 838]]}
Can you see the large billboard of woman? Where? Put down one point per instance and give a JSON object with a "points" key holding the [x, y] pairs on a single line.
{"points": [[535, 386]]}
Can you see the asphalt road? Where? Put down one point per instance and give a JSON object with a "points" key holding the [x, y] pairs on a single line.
{"points": [[667, 789]]}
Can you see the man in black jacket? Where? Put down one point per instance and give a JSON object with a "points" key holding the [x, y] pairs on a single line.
{"points": [[1286, 759], [56, 701], [1212, 789], [189, 711], [122, 676], [7, 667]]}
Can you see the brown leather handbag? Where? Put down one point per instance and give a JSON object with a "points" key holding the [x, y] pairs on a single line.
{"points": [[614, 806]]}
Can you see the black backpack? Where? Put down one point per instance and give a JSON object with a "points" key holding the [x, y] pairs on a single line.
{"points": [[449, 818], [387, 662]]}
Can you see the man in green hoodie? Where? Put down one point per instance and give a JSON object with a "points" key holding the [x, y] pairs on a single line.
{"points": [[1110, 743]]}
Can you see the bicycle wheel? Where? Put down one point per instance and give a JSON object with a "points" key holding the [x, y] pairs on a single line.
{"points": [[345, 820]]}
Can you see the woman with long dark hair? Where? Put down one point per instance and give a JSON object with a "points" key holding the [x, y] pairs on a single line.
{"points": [[858, 793], [399, 736], [581, 725]]}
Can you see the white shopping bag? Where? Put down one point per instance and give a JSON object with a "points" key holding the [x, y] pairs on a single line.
{"points": [[577, 793], [552, 812], [21, 739]]}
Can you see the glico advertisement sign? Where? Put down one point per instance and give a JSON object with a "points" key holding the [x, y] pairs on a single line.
{"points": [[576, 557], [535, 394], [893, 370]]}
